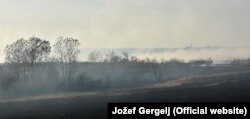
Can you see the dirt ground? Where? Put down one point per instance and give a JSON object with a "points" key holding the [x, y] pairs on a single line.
{"points": [[225, 87]]}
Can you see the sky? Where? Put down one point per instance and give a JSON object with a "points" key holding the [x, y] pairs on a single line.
{"points": [[128, 23]]}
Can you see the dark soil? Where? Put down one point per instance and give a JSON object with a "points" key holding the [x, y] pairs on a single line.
{"points": [[226, 88]]}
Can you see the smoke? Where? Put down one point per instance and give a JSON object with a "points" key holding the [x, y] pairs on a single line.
{"points": [[218, 54]]}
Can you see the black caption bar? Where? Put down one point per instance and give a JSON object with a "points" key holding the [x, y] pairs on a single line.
{"points": [[178, 110]]}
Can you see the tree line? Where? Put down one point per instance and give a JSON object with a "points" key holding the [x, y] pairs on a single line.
{"points": [[125, 57], [26, 54], [35, 50], [34, 58]]}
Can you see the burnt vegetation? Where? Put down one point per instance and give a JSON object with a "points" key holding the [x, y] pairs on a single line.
{"points": [[33, 66], [40, 80]]}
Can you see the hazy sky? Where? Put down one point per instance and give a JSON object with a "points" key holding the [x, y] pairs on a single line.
{"points": [[128, 23]]}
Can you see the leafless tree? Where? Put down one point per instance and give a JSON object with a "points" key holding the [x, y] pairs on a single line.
{"points": [[134, 59], [23, 52], [109, 55], [95, 56], [125, 56], [17, 54], [38, 49], [67, 49]]}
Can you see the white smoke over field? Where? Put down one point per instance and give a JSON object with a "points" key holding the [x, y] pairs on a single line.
{"points": [[218, 54]]}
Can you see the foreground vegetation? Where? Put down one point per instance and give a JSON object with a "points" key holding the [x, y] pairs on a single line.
{"points": [[222, 87]]}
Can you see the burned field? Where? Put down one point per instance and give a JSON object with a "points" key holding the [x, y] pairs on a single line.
{"points": [[197, 84]]}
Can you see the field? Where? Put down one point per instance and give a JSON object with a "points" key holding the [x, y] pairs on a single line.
{"points": [[231, 84]]}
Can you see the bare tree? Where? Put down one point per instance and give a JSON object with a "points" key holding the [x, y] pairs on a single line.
{"points": [[38, 51], [134, 59], [95, 56], [17, 54], [109, 56], [67, 49], [116, 58], [125, 56], [23, 52]]}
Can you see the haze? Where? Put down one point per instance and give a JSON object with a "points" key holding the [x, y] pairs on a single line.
{"points": [[128, 23]]}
